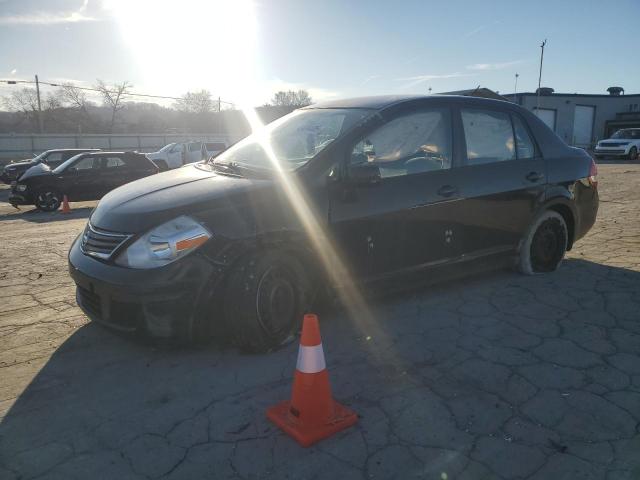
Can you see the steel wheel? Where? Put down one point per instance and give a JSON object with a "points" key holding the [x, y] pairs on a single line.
{"points": [[548, 246], [276, 301]]}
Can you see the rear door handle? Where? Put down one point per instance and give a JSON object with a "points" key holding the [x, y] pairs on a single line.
{"points": [[447, 191], [534, 177]]}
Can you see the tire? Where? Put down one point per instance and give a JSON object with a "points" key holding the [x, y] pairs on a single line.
{"points": [[633, 153], [48, 199], [544, 244], [162, 165], [265, 299]]}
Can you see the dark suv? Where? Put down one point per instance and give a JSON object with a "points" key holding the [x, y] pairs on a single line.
{"points": [[334, 194], [87, 176], [51, 158]]}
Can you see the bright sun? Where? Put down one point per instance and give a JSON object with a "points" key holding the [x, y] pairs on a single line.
{"points": [[192, 44]]}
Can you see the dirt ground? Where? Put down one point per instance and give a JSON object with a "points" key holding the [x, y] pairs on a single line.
{"points": [[495, 376]]}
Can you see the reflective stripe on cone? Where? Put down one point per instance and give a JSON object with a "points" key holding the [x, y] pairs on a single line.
{"points": [[311, 359]]}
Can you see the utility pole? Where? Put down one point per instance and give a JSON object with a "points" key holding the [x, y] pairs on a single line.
{"points": [[39, 106], [540, 76], [515, 89]]}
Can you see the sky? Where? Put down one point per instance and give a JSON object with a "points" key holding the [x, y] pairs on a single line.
{"points": [[245, 50]]}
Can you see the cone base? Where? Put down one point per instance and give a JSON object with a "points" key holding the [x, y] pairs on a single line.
{"points": [[308, 435]]}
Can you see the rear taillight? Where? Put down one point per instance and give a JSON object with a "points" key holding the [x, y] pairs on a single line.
{"points": [[593, 174]]}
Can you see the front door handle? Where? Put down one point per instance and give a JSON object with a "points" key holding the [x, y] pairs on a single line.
{"points": [[447, 191], [534, 176]]}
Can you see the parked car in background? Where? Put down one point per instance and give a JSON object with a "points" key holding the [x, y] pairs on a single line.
{"points": [[214, 148], [52, 158], [87, 176], [623, 143], [176, 155], [397, 184]]}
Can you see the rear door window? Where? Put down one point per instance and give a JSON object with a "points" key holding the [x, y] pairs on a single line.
{"points": [[489, 136]]}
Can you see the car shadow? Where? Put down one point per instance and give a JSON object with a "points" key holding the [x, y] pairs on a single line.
{"points": [[106, 404], [35, 215]]}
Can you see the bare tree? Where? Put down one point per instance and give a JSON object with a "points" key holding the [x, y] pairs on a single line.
{"points": [[290, 98], [24, 102], [76, 99], [196, 102], [112, 97]]}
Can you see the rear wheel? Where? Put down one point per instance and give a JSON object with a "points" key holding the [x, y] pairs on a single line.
{"points": [[544, 245], [633, 153], [48, 199], [265, 298]]}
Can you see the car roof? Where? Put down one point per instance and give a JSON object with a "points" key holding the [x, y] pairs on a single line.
{"points": [[385, 101], [79, 150]]}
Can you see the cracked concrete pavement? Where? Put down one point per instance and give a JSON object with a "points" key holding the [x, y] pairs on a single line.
{"points": [[490, 377]]}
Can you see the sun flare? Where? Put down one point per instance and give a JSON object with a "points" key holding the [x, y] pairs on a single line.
{"points": [[191, 44]]}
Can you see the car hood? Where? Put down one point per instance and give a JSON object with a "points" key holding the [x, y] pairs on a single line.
{"points": [[36, 170], [21, 163], [138, 206]]}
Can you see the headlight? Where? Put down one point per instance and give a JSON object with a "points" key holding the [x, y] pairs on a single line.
{"points": [[21, 187], [164, 244]]}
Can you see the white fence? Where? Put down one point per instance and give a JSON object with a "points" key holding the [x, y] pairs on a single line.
{"points": [[24, 146]]}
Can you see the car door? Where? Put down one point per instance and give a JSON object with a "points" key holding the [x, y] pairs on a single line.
{"points": [[401, 220], [81, 180], [114, 172], [502, 182]]}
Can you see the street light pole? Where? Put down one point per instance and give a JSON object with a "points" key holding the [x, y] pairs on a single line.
{"points": [[39, 105], [540, 76], [515, 89]]}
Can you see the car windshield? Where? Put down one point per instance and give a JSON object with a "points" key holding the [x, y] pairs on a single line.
{"points": [[63, 166], [166, 148], [294, 138], [627, 133], [39, 158]]}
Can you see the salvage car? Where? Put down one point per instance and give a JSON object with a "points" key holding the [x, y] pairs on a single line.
{"points": [[624, 143], [87, 176], [239, 246], [52, 158]]}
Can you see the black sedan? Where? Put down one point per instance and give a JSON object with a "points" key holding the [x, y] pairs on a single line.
{"points": [[51, 158], [87, 176], [335, 194]]}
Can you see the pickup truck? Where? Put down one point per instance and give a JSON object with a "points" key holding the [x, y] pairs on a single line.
{"points": [[178, 154]]}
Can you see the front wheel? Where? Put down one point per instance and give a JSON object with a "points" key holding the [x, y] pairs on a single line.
{"points": [[633, 153], [544, 244], [265, 299], [48, 199]]}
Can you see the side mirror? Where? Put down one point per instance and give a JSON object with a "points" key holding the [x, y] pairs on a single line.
{"points": [[362, 174]]}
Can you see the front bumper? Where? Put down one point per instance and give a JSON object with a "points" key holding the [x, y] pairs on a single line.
{"points": [[20, 199], [163, 302], [610, 151]]}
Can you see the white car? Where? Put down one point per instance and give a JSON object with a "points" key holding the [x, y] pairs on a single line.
{"points": [[176, 155], [623, 143]]}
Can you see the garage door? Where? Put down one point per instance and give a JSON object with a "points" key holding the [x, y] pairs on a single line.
{"points": [[583, 125], [548, 116]]}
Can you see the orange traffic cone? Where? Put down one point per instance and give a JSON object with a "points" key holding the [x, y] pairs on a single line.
{"points": [[65, 205], [312, 414]]}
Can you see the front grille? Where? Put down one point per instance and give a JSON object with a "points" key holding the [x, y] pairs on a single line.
{"points": [[100, 243], [90, 301]]}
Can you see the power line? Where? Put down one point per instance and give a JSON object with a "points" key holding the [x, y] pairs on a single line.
{"points": [[164, 97]]}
